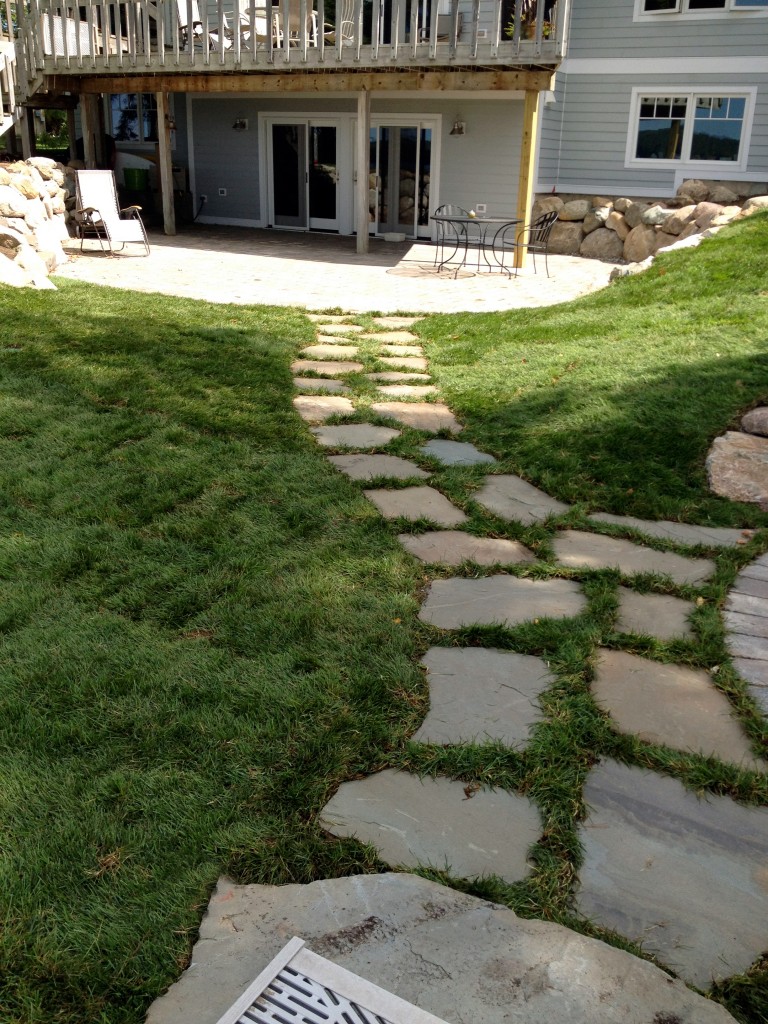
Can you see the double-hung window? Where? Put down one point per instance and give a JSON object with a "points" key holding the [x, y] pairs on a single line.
{"points": [[698, 6], [680, 127], [134, 117]]}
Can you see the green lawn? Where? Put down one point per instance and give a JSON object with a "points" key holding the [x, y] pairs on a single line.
{"points": [[204, 628]]}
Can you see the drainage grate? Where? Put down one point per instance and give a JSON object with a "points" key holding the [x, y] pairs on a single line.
{"points": [[299, 987]]}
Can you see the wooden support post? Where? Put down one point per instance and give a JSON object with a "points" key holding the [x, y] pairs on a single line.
{"points": [[527, 165], [164, 160], [88, 122], [362, 217], [99, 130], [72, 131], [27, 125]]}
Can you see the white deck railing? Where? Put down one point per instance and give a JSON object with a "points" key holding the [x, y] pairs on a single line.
{"points": [[9, 88]]}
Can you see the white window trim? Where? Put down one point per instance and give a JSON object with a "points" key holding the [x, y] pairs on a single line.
{"points": [[749, 92], [681, 14]]}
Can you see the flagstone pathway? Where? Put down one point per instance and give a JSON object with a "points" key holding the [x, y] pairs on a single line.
{"points": [[683, 874]]}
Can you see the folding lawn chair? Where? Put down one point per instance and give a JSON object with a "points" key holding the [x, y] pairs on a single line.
{"points": [[98, 212]]}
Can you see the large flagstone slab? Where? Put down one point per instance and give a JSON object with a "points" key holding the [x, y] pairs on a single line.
{"points": [[680, 533], [325, 367], [407, 390], [685, 876], [332, 339], [657, 615], [420, 415], [429, 822], [356, 435], [320, 384], [404, 362], [329, 352], [316, 408], [416, 503], [596, 551], [368, 467], [452, 547], [478, 694], [510, 497], [455, 453], [503, 600], [402, 350], [392, 337], [672, 705], [454, 955]]}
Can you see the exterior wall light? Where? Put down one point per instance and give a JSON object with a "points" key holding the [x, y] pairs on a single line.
{"points": [[459, 128]]}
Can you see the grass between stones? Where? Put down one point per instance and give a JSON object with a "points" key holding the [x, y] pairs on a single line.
{"points": [[205, 629]]}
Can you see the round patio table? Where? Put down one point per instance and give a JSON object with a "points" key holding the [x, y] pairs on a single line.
{"points": [[455, 233]]}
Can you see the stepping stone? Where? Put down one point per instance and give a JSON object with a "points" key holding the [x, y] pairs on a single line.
{"points": [[331, 351], [416, 503], [312, 384], [316, 408], [402, 350], [431, 822], [683, 876], [476, 695], [392, 337], [324, 368], [595, 551], [337, 327], [326, 318], [503, 600], [396, 321], [356, 435], [456, 956], [680, 533], [405, 362], [455, 453], [395, 376], [657, 615], [737, 467], [510, 497], [330, 339], [407, 390], [368, 467], [451, 547], [670, 705], [420, 415]]}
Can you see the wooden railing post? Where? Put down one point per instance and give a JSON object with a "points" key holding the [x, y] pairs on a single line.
{"points": [[527, 164]]}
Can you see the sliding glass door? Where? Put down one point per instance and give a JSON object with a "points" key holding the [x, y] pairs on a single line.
{"points": [[400, 176], [303, 172]]}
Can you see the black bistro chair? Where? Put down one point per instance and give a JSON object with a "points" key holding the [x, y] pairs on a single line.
{"points": [[535, 236], [447, 233]]}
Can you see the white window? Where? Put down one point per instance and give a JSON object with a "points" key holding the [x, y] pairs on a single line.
{"points": [[134, 117], [679, 127], [646, 10]]}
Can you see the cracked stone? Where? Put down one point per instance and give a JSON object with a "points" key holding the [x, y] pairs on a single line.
{"points": [[331, 351], [452, 547], [325, 368], [455, 453], [356, 435], [680, 533], [416, 503], [316, 384], [499, 599], [369, 467], [510, 497], [596, 551], [315, 408], [478, 694], [431, 416], [657, 615]]}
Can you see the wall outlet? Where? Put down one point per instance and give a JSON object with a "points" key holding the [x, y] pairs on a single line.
{"points": [[222, 191], [481, 207], [482, 33], [203, 199]]}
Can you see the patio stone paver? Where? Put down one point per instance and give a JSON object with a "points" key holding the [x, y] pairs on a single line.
{"points": [[416, 503], [316, 408], [333, 339], [319, 384], [404, 362], [402, 350], [750, 586], [407, 390], [325, 367], [420, 415], [746, 624], [431, 822], [510, 497], [456, 453], [391, 337], [395, 375], [331, 351], [672, 705], [757, 570], [356, 435], [507, 600], [478, 694], [684, 876], [452, 547], [368, 467], [339, 327], [680, 533], [596, 551], [657, 615], [327, 318], [396, 321]]}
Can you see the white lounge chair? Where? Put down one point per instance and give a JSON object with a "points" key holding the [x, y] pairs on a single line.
{"points": [[98, 212]]}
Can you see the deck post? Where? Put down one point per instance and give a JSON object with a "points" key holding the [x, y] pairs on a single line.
{"points": [[27, 125], [164, 159], [88, 119], [72, 132], [363, 159], [527, 166]]}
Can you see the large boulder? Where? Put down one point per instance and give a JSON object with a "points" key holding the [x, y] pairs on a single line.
{"points": [[705, 213], [726, 215], [663, 240], [12, 202], [5, 178], [723, 195], [598, 201], [615, 222], [678, 219], [566, 237], [43, 165], [12, 274], [547, 204], [596, 218], [633, 214], [622, 204], [737, 467], [602, 244], [753, 205], [694, 189], [639, 244], [654, 215], [576, 209]]}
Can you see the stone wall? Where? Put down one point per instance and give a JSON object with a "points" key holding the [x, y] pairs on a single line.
{"points": [[616, 229]]}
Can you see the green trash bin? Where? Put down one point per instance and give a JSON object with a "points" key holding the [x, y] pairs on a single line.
{"points": [[136, 178]]}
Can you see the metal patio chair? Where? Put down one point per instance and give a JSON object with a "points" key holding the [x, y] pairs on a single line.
{"points": [[98, 213], [449, 233], [534, 236]]}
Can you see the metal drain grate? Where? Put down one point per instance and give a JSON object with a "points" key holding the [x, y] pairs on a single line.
{"points": [[299, 987]]}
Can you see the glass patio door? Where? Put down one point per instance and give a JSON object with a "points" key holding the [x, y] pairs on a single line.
{"points": [[400, 164], [304, 175]]}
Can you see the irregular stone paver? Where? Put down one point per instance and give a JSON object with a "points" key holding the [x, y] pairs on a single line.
{"points": [[680, 533], [315, 408], [316, 384], [420, 415], [405, 362], [391, 337], [684, 876], [396, 321], [596, 551], [455, 453], [737, 467], [510, 497], [394, 375], [368, 467], [451, 547], [332, 339], [356, 435], [338, 327], [326, 318], [325, 368], [430, 822], [407, 390], [332, 351], [454, 955], [658, 615], [402, 350], [671, 705], [416, 503], [499, 599], [477, 695]]}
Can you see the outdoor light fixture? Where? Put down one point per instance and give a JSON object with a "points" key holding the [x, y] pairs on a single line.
{"points": [[240, 125], [459, 128]]}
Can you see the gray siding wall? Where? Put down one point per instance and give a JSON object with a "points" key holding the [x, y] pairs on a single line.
{"points": [[226, 159]]}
